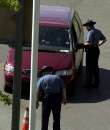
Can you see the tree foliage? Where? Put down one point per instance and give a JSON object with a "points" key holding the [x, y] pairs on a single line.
{"points": [[5, 99], [11, 4], [14, 5]]}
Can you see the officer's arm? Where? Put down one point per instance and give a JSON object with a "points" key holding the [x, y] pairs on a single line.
{"points": [[37, 97], [39, 84], [83, 45], [86, 44], [102, 41], [89, 38]]}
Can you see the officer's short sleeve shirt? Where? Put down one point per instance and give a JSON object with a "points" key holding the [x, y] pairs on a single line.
{"points": [[50, 84], [94, 35]]}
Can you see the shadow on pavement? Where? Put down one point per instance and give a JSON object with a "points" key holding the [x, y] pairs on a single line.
{"points": [[81, 95]]}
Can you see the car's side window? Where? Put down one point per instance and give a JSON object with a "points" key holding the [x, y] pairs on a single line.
{"points": [[77, 28], [81, 37], [73, 36], [79, 20]]}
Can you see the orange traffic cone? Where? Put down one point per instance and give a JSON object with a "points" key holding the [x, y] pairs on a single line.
{"points": [[26, 120]]}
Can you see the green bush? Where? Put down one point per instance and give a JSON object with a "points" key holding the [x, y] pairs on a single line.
{"points": [[5, 99], [11, 4]]}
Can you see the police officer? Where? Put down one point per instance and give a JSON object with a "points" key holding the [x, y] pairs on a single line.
{"points": [[94, 39], [54, 94]]}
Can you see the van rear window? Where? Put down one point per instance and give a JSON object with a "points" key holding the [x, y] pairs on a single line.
{"points": [[54, 38]]}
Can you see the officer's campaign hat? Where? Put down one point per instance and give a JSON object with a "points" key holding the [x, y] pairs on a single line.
{"points": [[89, 22], [46, 69]]}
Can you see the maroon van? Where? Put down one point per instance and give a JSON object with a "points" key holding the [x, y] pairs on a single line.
{"points": [[59, 34]]}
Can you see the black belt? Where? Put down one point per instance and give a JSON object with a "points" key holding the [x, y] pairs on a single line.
{"points": [[92, 47], [53, 93]]}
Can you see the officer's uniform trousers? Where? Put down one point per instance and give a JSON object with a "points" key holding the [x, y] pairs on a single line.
{"points": [[51, 102], [92, 69]]}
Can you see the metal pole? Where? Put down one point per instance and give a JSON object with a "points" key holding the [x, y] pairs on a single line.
{"points": [[34, 60], [17, 71]]}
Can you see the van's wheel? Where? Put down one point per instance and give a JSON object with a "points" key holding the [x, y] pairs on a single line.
{"points": [[7, 89]]}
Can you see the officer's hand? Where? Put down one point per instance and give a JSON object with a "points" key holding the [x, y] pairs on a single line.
{"points": [[37, 105]]}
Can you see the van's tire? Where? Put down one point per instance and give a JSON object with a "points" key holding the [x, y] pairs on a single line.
{"points": [[7, 89]]}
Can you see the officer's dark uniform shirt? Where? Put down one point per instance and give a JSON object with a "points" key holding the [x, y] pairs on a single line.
{"points": [[50, 84], [94, 36]]}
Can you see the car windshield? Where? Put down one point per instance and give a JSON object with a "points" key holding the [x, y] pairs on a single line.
{"points": [[54, 39]]}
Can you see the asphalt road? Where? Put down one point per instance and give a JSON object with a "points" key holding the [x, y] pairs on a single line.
{"points": [[87, 110]]}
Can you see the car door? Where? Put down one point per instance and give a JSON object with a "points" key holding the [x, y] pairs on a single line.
{"points": [[77, 32]]}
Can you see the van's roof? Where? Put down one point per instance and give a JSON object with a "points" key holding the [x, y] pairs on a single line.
{"points": [[56, 15]]}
